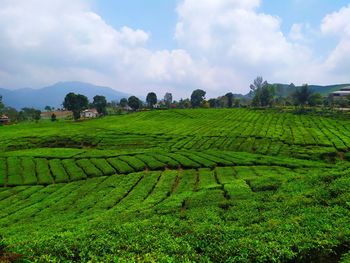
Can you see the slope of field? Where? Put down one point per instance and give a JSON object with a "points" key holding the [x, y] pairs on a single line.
{"points": [[181, 185]]}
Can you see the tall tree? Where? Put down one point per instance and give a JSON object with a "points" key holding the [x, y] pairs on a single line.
{"points": [[151, 99], [302, 96], [197, 98], [100, 104], [229, 97], [168, 99], [123, 102], [48, 108], [267, 95], [53, 117], [75, 103], [134, 103], [258, 84], [2, 106], [213, 103], [262, 92]]}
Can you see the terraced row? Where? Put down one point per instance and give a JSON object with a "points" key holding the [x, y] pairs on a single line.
{"points": [[16, 171], [167, 191], [265, 132]]}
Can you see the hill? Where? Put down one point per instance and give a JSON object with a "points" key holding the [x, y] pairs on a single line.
{"points": [[204, 185], [284, 90], [54, 95]]}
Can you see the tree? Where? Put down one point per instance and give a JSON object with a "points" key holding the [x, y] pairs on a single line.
{"points": [[100, 104], [229, 97], [197, 98], [214, 103], [168, 99], [123, 102], [48, 108], [12, 113], [302, 95], [151, 99], [75, 103], [263, 93], [237, 103], [2, 106], [317, 99], [29, 114], [134, 103], [258, 84], [184, 104], [266, 95], [37, 115], [53, 117]]}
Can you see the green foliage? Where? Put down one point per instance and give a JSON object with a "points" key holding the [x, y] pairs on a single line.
{"points": [[29, 114], [14, 171], [134, 103], [89, 168], [197, 98], [263, 93], [28, 172], [43, 171], [151, 99], [120, 166], [75, 103], [74, 172], [58, 171], [218, 185], [3, 172], [100, 104], [230, 98], [123, 102], [303, 96], [168, 99], [2, 105], [53, 117]]}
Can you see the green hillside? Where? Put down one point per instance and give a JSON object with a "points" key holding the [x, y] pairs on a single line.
{"points": [[285, 90], [210, 185]]}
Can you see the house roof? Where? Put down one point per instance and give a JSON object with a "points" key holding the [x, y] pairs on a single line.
{"points": [[343, 92], [4, 117], [90, 110]]}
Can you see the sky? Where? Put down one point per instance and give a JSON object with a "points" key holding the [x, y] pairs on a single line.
{"points": [[174, 45]]}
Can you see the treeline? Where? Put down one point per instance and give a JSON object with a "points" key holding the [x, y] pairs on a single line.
{"points": [[24, 114], [261, 95]]}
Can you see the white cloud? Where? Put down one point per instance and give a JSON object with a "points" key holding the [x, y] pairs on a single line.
{"points": [[42, 42], [237, 39], [223, 46], [337, 25]]}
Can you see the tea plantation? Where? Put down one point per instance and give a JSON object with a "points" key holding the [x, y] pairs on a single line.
{"points": [[226, 185]]}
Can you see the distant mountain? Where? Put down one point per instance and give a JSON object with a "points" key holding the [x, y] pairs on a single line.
{"points": [[54, 95], [284, 90]]}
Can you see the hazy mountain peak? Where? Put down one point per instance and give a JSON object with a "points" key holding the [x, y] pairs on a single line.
{"points": [[54, 95]]}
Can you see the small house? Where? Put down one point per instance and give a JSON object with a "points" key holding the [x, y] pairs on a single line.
{"points": [[342, 93], [4, 119], [89, 113]]}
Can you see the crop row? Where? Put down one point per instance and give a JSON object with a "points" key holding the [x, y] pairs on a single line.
{"points": [[32, 171], [265, 132], [163, 191]]}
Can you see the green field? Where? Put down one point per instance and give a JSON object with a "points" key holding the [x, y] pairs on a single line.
{"points": [[225, 185]]}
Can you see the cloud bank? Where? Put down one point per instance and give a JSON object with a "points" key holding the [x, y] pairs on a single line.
{"points": [[222, 46]]}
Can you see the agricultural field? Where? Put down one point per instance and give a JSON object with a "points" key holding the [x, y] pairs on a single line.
{"points": [[225, 185]]}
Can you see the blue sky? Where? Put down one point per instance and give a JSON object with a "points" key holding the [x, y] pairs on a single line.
{"points": [[174, 45], [155, 16], [159, 16]]}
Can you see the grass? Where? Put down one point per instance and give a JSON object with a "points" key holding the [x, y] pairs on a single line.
{"points": [[179, 185]]}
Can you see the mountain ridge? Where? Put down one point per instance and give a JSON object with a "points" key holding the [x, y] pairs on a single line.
{"points": [[54, 95]]}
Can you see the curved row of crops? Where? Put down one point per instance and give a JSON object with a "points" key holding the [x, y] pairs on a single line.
{"points": [[44, 171], [177, 186]]}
